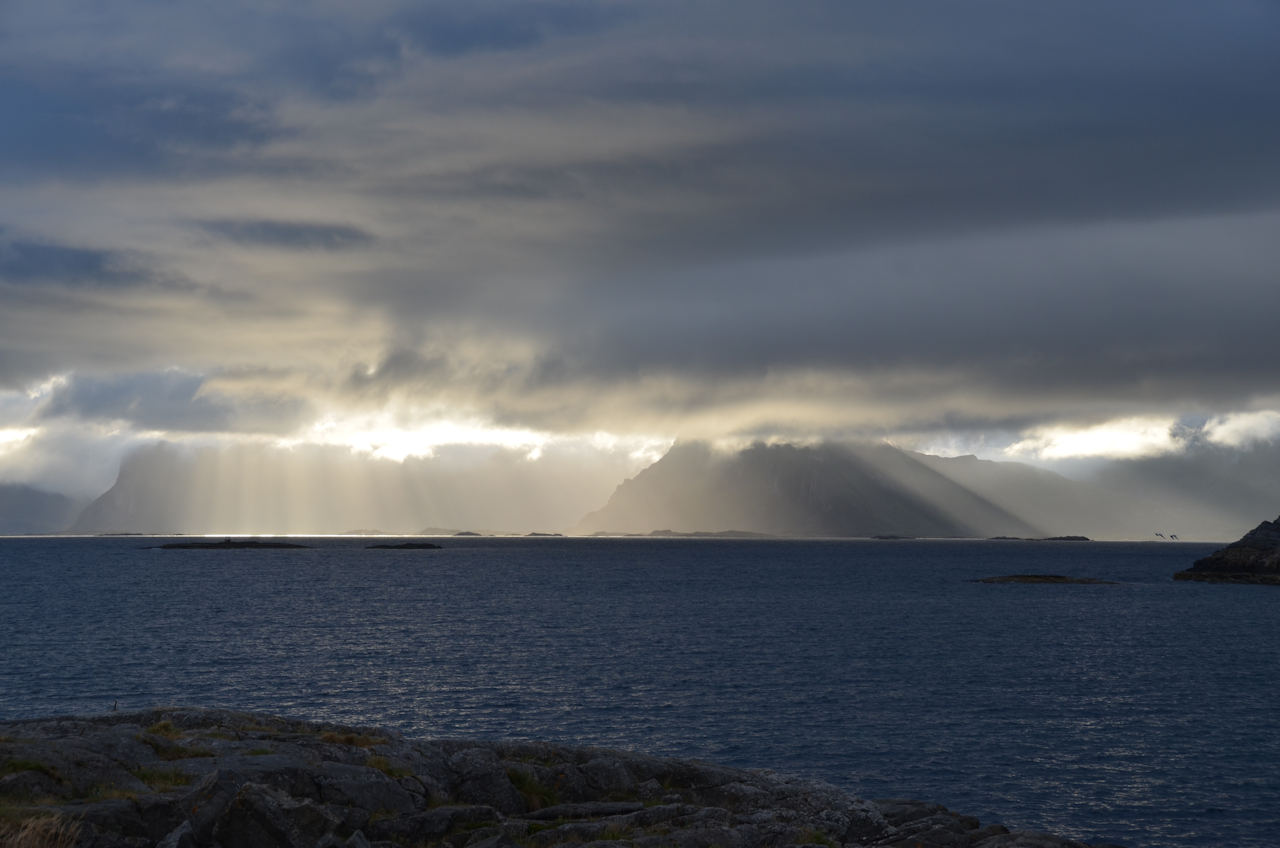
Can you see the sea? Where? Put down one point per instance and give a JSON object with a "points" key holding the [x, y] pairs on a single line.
{"points": [[1144, 712]]}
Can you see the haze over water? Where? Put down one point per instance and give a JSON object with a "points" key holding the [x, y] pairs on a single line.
{"points": [[1141, 713]]}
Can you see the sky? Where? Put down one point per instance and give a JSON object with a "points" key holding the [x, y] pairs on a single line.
{"points": [[589, 228]]}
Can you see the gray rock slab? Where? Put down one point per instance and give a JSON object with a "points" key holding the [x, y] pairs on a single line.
{"points": [[184, 777]]}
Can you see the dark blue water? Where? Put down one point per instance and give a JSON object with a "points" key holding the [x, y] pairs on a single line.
{"points": [[1146, 713]]}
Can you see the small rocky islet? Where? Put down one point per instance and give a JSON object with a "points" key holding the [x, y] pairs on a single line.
{"points": [[208, 778], [227, 545], [1254, 558], [1046, 578]]}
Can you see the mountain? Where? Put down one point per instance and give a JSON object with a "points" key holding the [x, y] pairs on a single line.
{"points": [[789, 490], [24, 509], [168, 488], [1056, 504], [149, 496]]}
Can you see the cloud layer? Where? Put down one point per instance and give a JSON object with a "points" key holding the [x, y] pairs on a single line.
{"points": [[651, 220]]}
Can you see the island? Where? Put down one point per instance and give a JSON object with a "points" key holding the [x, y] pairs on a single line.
{"points": [[1254, 558], [208, 778], [225, 545], [1045, 578], [1039, 539]]}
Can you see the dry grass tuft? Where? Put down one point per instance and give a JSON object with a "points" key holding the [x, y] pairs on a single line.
{"points": [[384, 765], [40, 832], [162, 780], [354, 739], [165, 729]]}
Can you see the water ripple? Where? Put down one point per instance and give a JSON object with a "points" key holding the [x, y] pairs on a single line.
{"points": [[1142, 713]]}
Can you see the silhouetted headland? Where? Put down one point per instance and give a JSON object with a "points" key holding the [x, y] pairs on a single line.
{"points": [[201, 778], [405, 546], [1254, 558]]}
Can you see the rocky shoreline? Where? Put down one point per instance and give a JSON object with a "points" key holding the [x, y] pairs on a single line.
{"points": [[205, 778], [1254, 558]]}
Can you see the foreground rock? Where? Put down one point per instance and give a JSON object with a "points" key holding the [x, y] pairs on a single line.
{"points": [[1255, 558], [194, 778]]}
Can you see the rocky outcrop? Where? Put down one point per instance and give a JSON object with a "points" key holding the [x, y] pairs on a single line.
{"points": [[195, 778], [1255, 558]]}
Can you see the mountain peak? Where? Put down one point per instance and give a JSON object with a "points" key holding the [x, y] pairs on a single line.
{"points": [[829, 489]]}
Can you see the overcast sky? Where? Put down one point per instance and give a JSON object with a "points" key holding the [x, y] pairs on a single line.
{"points": [[1035, 231]]}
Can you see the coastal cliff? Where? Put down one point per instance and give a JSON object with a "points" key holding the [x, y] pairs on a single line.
{"points": [[200, 778], [1254, 558]]}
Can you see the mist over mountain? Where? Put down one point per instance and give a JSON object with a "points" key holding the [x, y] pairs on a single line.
{"points": [[825, 490], [1208, 491], [875, 490], [262, 489], [24, 509], [1203, 493]]}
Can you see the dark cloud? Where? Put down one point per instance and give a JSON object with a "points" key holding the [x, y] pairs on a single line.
{"points": [[351, 56], [819, 216], [289, 235], [163, 401], [170, 401], [90, 124], [28, 262], [460, 27], [400, 367], [1102, 311]]}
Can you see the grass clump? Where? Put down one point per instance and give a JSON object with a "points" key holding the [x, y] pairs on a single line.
{"points": [[534, 828], [535, 794], [384, 765], [39, 831], [258, 752], [809, 836], [170, 751], [162, 780], [467, 827], [165, 728], [14, 766], [107, 792], [358, 740], [219, 734], [617, 833]]}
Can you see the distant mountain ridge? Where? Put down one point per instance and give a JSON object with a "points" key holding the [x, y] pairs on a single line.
{"points": [[25, 509], [822, 490], [168, 488], [830, 489]]}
